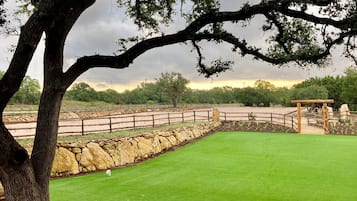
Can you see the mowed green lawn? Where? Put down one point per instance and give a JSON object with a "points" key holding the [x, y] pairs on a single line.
{"points": [[231, 166]]}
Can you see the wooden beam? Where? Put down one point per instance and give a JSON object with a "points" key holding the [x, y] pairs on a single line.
{"points": [[318, 101]]}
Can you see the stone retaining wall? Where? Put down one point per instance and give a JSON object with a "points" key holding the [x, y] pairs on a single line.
{"points": [[254, 126], [342, 128], [88, 156]]}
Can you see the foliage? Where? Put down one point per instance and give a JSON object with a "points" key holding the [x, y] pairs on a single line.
{"points": [[2, 13], [310, 92], [332, 84], [262, 84], [82, 92], [349, 87], [29, 92], [173, 85], [108, 96]]}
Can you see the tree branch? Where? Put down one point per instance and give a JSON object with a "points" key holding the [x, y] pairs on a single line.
{"points": [[190, 33]]}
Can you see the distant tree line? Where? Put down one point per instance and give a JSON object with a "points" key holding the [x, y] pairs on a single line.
{"points": [[29, 92], [171, 88]]}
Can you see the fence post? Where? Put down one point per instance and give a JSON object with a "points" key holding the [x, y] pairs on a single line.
{"points": [[183, 118], [82, 126], [153, 121], [134, 121], [271, 118], [110, 125], [194, 116], [225, 116], [284, 119], [292, 122], [208, 115], [168, 118]]}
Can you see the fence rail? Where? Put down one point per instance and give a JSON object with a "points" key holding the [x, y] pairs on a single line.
{"points": [[113, 123], [136, 121], [315, 119], [288, 120]]}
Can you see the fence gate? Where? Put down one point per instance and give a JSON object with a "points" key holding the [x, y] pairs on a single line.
{"points": [[313, 101]]}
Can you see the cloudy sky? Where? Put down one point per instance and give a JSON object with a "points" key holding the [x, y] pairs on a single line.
{"points": [[98, 29]]}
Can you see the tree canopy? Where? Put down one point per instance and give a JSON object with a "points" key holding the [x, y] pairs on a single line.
{"points": [[173, 85], [300, 31]]}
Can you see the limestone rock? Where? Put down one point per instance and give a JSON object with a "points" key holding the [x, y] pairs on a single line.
{"points": [[172, 140], [94, 157], [164, 143], [128, 151], [182, 136], [112, 150], [77, 150], [156, 144], [64, 162], [145, 148]]}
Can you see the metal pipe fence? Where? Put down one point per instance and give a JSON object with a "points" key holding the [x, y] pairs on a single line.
{"points": [[136, 121], [113, 123], [288, 120]]}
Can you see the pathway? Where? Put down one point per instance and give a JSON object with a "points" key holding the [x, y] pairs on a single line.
{"points": [[306, 129]]}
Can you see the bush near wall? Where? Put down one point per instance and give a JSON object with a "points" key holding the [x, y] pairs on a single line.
{"points": [[254, 126]]}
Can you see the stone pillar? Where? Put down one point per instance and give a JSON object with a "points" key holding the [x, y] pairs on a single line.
{"points": [[215, 115]]}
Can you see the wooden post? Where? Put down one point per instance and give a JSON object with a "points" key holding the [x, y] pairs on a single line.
{"points": [[215, 115], [194, 116], [110, 125], [284, 119], [325, 117], [168, 118], [299, 117], [153, 121], [134, 122], [82, 126]]}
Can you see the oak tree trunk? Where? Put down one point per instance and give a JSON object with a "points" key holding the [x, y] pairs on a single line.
{"points": [[26, 178]]}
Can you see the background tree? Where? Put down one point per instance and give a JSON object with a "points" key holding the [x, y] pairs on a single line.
{"points": [[292, 28], [173, 85], [310, 92], [332, 84], [349, 88], [282, 96], [29, 92], [82, 92], [263, 84], [108, 96]]}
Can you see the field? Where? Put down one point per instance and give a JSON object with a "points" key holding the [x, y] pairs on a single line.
{"points": [[231, 166]]}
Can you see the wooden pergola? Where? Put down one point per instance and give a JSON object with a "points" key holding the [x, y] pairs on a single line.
{"points": [[314, 101]]}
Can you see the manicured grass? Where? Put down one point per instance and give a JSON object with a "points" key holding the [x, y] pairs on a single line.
{"points": [[231, 166]]}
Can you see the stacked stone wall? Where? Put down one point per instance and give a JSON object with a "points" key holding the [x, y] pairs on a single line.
{"points": [[87, 156], [342, 128], [254, 126]]}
